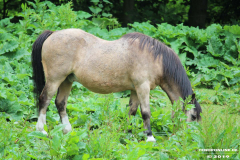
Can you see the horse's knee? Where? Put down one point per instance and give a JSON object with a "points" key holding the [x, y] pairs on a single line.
{"points": [[133, 110], [133, 103], [60, 105], [43, 101], [146, 115]]}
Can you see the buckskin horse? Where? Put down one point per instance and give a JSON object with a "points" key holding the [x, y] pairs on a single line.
{"points": [[134, 62]]}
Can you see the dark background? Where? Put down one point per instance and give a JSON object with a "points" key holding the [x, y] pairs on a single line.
{"points": [[190, 12]]}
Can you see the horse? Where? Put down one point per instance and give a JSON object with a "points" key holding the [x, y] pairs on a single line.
{"points": [[134, 62]]}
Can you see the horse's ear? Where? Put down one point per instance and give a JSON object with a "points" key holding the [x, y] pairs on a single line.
{"points": [[193, 96]]}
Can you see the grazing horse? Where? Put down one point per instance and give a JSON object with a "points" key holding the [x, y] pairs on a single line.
{"points": [[134, 62]]}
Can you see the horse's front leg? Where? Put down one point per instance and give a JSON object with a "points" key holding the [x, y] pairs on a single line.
{"points": [[61, 104], [143, 91]]}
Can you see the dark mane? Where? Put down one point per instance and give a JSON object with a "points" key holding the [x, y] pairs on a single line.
{"points": [[173, 68]]}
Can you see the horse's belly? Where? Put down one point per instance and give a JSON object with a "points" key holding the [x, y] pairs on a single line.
{"points": [[105, 87], [105, 82]]}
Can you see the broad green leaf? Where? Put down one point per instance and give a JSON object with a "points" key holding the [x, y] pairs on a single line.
{"points": [[39, 135], [230, 59], [56, 143], [163, 156], [45, 128], [95, 1], [118, 94], [82, 134], [62, 150], [24, 100], [74, 108], [234, 80], [106, 15], [107, 1], [118, 32], [219, 138], [57, 129], [213, 29], [72, 149], [176, 44], [183, 57], [235, 143], [3, 93], [225, 65], [32, 156], [22, 76], [85, 156], [5, 36], [103, 33], [145, 28], [5, 22], [8, 46], [235, 29], [16, 116], [226, 80], [236, 73], [83, 15], [199, 139], [217, 86], [95, 10], [227, 73], [135, 154], [192, 50], [102, 22], [81, 145], [215, 47], [207, 61], [20, 53], [10, 78]]}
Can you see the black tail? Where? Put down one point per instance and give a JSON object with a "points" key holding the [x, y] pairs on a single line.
{"points": [[38, 73]]}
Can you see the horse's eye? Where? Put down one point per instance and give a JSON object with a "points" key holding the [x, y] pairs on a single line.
{"points": [[193, 117]]}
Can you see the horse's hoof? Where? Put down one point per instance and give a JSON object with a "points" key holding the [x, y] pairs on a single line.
{"points": [[150, 139], [67, 129], [39, 127], [44, 132]]}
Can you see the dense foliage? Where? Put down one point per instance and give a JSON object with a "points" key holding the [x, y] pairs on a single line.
{"points": [[157, 11], [211, 58]]}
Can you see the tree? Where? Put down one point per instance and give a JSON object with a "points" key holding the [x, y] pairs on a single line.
{"points": [[197, 13], [128, 12]]}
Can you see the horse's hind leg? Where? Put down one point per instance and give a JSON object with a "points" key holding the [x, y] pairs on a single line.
{"points": [[143, 91], [61, 103], [48, 92], [133, 103]]}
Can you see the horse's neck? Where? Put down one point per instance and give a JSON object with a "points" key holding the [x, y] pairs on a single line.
{"points": [[173, 92]]}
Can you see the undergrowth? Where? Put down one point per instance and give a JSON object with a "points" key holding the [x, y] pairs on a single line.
{"points": [[100, 122]]}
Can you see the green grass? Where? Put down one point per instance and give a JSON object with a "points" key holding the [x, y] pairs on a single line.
{"points": [[100, 131]]}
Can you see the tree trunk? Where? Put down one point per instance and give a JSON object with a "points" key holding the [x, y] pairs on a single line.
{"points": [[128, 12], [197, 13], [4, 9]]}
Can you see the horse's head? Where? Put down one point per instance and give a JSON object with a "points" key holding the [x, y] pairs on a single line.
{"points": [[194, 113]]}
